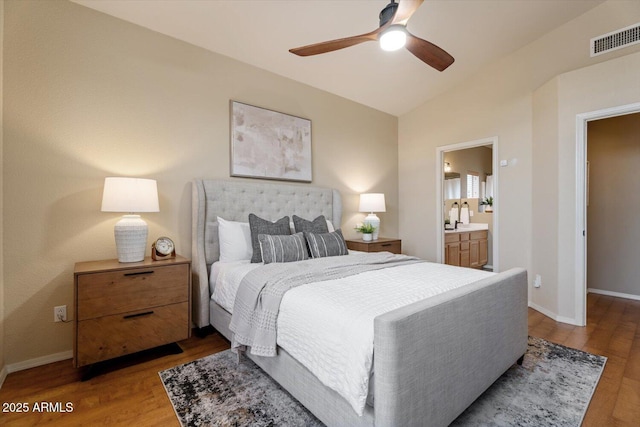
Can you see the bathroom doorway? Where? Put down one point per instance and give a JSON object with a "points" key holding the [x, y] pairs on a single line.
{"points": [[466, 180]]}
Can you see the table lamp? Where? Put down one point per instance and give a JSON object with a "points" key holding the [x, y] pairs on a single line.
{"points": [[130, 195], [372, 202]]}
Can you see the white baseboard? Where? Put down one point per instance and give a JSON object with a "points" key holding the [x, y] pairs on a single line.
{"points": [[3, 375], [39, 361], [613, 294], [553, 315]]}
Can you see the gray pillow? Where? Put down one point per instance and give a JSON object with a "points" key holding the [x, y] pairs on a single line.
{"points": [[318, 225], [326, 244], [283, 248], [259, 226]]}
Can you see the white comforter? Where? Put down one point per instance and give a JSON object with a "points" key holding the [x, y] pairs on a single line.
{"points": [[328, 326]]}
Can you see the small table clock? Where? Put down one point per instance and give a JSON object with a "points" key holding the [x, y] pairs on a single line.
{"points": [[163, 248]]}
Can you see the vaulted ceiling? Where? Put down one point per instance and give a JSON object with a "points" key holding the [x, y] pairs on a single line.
{"points": [[260, 33]]}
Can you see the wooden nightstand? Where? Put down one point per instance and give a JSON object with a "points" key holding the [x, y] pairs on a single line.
{"points": [[123, 308], [382, 244]]}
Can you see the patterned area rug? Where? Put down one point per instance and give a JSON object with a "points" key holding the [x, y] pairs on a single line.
{"points": [[553, 387]]}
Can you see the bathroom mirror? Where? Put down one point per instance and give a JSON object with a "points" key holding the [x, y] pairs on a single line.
{"points": [[468, 178], [452, 186]]}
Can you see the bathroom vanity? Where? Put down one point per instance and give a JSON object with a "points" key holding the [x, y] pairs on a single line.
{"points": [[466, 246]]}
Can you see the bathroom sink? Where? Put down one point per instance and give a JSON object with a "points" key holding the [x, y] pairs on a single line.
{"points": [[470, 227]]}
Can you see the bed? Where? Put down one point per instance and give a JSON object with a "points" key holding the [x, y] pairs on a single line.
{"points": [[433, 357]]}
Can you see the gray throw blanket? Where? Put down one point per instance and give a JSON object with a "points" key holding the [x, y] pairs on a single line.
{"points": [[255, 310]]}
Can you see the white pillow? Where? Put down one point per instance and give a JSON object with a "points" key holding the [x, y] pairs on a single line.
{"points": [[235, 240]]}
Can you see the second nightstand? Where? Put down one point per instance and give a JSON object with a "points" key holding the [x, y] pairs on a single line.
{"points": [[380, 245]]}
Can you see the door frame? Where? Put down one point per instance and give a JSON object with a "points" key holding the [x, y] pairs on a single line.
{"points": [[582, 121], [495, 163]]}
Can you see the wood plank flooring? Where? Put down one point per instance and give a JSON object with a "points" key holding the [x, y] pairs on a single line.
{"points": [[613, 330], [130, 392]]}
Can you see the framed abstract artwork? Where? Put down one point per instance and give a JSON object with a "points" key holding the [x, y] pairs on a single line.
{"points": [[269, 145]]}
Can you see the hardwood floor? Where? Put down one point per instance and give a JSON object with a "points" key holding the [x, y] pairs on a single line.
{"points": [[130, 392], [613, 330]]}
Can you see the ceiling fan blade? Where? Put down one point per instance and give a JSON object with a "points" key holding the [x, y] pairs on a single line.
{"points": [[406, 8], [428, 52], [330, 46]]}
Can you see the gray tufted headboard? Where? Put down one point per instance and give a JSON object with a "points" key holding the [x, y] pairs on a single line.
{"points": [[234, 200]]}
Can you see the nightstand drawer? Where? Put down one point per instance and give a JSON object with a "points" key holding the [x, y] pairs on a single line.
{"points": [[382, 244], [112, 336], [112, 292], [393, 247]]}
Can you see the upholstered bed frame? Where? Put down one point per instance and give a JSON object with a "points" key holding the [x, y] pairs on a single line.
{"points": [[432, 358]]}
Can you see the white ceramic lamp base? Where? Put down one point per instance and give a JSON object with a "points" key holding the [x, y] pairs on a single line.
{"points": [[375, 221], [131, 238]]}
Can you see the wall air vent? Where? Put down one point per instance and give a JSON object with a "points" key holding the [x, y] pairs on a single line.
{"points": [[615, 40]]}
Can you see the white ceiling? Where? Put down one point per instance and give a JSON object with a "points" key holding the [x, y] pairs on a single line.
{"points": [[260, 33]]}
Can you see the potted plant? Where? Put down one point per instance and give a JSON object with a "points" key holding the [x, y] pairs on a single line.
{"points": [[488, 202], [367, 231]]}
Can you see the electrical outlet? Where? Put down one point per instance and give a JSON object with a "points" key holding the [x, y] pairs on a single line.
{"points": [[60, 313], [538, 282]]}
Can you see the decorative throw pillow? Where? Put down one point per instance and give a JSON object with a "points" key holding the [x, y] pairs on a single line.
{"points": [[326, 244], [318, 225], [283, 248], [235, 240], [262, 226]]}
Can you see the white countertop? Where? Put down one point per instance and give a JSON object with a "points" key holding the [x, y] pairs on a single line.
{"points": [[474, 226]]}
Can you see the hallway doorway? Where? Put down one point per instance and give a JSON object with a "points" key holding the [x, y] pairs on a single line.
{"points": [[580, 267], [613, 204]]}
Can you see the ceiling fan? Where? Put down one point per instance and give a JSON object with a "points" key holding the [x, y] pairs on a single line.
{"points": [[392, 35]]}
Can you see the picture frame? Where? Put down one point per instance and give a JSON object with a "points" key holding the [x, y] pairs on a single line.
{"points": [[268, 144]]}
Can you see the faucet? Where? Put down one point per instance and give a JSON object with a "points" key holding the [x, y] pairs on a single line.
{"points": [[456, 224]]}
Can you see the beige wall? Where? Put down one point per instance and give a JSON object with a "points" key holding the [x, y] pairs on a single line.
{"points": [[544, 182], [500, 101], [614, 204], [2, 365], [89, 96]]}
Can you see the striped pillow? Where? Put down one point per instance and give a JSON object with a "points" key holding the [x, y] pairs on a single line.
{"points": [[326, 244], [282, 248]]}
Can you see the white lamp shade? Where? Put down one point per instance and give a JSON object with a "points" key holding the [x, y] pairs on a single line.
{"points": [[130, 195], [372, 202]]}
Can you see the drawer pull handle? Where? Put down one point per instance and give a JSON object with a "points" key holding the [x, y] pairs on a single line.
{"points": [[386, 244], [138, 273], [130, 316]]}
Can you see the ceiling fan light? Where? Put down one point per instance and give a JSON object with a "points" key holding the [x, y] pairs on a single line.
{"points": [[394, 38]]}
